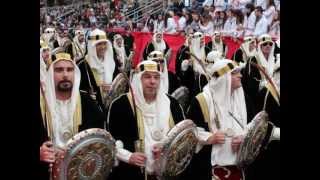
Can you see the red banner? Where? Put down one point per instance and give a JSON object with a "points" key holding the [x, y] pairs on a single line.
{"points": [[141, 39]]}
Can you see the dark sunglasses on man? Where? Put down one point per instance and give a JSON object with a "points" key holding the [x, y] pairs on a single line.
{"points": [[267, 43]]}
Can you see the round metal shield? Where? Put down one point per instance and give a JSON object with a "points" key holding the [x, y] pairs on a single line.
{"points": [[119, 86], [89, 155], [178, 149], [255, 140]]}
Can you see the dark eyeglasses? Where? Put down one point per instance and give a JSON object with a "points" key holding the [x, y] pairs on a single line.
{"points": [[154, 55], [267, 43]]}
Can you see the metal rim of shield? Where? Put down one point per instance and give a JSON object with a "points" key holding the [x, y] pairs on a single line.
{"points": [[119, 86], [90, 154], [182, 95], [178, 149], [255, 141]]}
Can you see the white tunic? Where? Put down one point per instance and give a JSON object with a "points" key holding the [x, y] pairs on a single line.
{"points": [[63, 124], [151, 125]]}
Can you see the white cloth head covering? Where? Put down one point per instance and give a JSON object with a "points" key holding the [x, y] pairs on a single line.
{"points": [[215, 45], [48, 34], [155, 56], [77, 42], [120, 49], [212, 57], [52, 100], [221, 102], [43, 65], [245, 46], [158, 111], [105, 68], [198, 51], [269, 63], [158, 46]]}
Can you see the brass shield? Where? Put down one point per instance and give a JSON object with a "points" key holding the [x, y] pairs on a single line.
{"points": [[178, 149], [256, 140], [89, 155]]}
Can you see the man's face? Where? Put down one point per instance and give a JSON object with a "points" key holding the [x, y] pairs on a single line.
{"points": [[150, 83], [266, 47], [119, 42], [158, 38], [46, 55], [81, 38], [63, 76], [252, 45], [217, 38], [235, 79], [101, 49], [258, 13]]}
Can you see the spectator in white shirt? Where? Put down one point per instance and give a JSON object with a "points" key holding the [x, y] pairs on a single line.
{"points": [[239, 32], [219, 20], [270, 11], [274, 27], [207, 3], [230, 25], [182, 21], [261, 23], [249, 19], [169, 23], [262, 3], [206, 25], [158, 24], [220, 4]]}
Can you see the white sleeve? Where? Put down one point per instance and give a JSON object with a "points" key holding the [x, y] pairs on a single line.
{"points": [[202, 137], [122, 154], [276, 134], [184, 65]]}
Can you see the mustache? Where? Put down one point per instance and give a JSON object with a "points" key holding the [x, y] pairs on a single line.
{"points": [[65, 81]]}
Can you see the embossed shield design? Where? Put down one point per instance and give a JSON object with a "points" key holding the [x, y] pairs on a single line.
{"points": [[89, 155], [256, 140], [177, 150]]}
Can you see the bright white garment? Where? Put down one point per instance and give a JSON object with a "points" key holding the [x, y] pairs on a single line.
{"points": [[171, 26], [261, 27], [63, 124], [269, 13]]}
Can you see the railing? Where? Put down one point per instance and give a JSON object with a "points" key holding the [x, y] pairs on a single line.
{"points": [[146, 8]]}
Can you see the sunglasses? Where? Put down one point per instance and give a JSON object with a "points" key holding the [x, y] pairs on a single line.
{"points": [[267, 43]]}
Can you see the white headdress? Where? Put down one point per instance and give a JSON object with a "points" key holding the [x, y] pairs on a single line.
{"points": [[52, 100], [108, 65]]}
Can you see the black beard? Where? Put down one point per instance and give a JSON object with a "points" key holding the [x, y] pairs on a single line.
{"points": [[64, 86]]}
